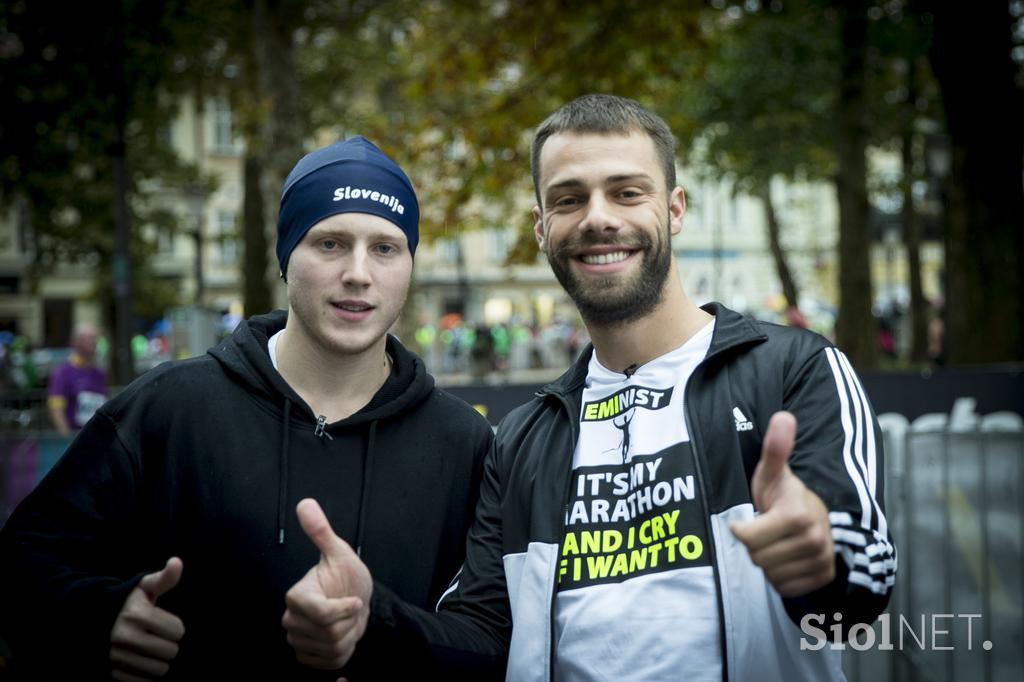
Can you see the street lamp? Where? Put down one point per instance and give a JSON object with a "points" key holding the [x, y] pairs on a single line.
{"points": [[195, 197]]}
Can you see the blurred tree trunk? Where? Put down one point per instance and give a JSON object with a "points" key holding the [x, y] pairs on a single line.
{"points": [[256, 250], [274, 131], [286, 122], [856, 328], [912, 230], [912, 242], [789, 288], [971, 56], [122, 365]]}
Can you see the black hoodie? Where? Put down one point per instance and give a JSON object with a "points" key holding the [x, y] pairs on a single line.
{"points": [[205, 459]]}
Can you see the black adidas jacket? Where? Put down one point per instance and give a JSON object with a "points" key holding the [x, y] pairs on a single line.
{"points": [[504, 595]]}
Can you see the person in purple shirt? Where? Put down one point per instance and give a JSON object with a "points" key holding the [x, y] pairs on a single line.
{"points": [[77, 387]]}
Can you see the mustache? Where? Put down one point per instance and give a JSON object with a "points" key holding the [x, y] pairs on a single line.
{"points": [[639, 242]]}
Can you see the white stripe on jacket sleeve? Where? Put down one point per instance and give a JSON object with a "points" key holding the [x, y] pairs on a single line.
{"points": [[872, 455], [870, 556], [848, 439]]}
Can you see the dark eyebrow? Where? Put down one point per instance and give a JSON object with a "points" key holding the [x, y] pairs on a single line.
{"points": [[610, 180], [335, 233], [635, 177], [323, 232], [571, 182]]}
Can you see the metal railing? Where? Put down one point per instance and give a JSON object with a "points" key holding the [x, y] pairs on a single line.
{"points": [[20, 409], [955, 504]]}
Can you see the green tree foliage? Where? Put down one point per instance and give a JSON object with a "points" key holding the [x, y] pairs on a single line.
{"points": [[266, 58], [800, 89], [768, 95], [904, 114], [984, 106], [68, 73], [452, 89], [766, 104], [465, 82]]}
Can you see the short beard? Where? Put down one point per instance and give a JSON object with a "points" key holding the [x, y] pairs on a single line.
{"points": [[600, 303]]}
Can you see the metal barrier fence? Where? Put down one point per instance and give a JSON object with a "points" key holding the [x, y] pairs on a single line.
{"points": [[955, 504], [24, 410]]}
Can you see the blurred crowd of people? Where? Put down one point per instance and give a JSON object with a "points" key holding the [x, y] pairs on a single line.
{"points": [[451, 346], [454, 346], [60, 388]]}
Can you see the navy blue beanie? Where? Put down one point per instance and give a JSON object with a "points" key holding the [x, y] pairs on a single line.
{"points": [[347, 177]]}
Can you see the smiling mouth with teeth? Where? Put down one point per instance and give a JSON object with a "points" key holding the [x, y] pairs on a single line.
{"points": [[605, 258]]}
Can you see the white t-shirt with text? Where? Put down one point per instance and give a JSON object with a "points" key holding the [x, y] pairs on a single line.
{"points": [[636, 596]]}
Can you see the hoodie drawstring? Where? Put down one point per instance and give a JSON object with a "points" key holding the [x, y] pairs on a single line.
{"points": [[282, 499], [282, 491], [364, 496]]}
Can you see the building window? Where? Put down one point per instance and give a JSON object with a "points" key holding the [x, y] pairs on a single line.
{"points": [[165, 135], [222, 129], [9, 285], [57, 320], [497, 244], [227, 238], [164, 240], [447, 250]]}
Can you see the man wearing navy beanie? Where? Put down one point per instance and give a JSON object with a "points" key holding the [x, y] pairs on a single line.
{"points": [[346, 177], [189, 529]]}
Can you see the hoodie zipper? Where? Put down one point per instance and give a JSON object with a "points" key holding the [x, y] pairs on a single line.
{"points": [[321, 424]]}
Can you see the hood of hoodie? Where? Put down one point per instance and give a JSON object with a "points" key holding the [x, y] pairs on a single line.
{"points": [[244, 357]]}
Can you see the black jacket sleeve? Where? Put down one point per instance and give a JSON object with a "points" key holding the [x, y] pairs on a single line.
{"points": [[62, 580], [838, 455], [468, 636]]}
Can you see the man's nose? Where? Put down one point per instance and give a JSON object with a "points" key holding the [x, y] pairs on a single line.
{"points": [[357, 270], [599, 215]]}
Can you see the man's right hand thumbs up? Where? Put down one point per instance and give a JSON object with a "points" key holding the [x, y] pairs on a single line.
{"points": [[791, 539], [144, 639], [328, 608]]}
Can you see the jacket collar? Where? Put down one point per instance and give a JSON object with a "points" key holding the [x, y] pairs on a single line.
{"points": [[731, 330]]}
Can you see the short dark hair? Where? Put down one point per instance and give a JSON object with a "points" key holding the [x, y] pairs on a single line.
{"points": [[604, 114]]}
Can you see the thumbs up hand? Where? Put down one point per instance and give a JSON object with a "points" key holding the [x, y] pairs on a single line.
{"points": [[144, 639], [791, 539], [328, 608]]}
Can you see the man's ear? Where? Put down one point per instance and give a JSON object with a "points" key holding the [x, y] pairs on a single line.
{"points": [[538, 227], [676, 209]]}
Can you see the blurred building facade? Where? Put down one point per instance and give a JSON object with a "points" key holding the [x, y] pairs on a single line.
{"points": [[200, 258], [204, 254], [723, 252]]}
